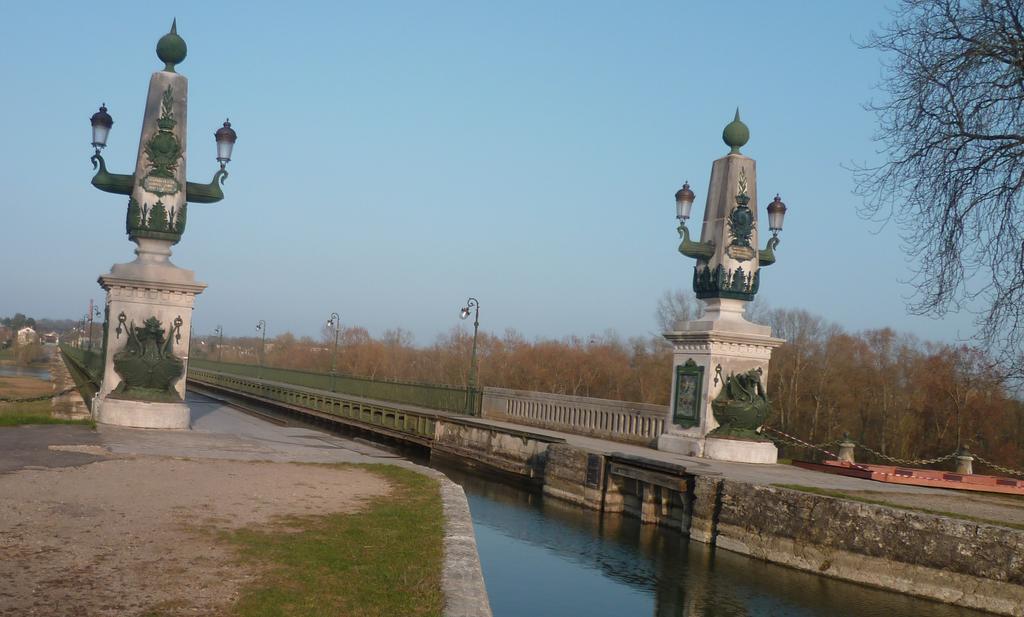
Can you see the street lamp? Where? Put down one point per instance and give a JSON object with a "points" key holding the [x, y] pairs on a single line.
{"points": [[471, 303], [776, 212], [727, 263], [219, 331], [101, 123], [94, 312], [262, 327], [226, 138], [163, 178], [334, 322]]}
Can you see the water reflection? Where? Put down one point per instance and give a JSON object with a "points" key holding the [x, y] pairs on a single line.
{"points": [[545, 557]]}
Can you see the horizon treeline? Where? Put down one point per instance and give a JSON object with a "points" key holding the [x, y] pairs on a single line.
{"points": [[904, 397]]}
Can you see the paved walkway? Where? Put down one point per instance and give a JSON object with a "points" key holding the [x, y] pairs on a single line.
{"points": [[220, 431]]}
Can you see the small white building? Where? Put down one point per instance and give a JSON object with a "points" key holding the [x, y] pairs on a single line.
{"points": [[27, 335]]}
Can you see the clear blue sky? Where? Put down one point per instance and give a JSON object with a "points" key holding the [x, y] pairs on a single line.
{"points": [[396, 157]]}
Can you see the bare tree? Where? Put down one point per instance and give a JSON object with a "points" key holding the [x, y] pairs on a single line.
{"points": [[674, 306], [951, 129]]}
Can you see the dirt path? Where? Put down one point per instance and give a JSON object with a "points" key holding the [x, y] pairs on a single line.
{"points": [[124, 536]]}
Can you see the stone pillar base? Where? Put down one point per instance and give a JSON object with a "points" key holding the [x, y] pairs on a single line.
{"points": [[739, 451], [681, 444], [140, 414]]}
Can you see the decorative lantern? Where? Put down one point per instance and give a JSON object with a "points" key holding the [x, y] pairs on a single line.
{"points": [[776, 212], [684, 202], [101, 123], [226, 137]]}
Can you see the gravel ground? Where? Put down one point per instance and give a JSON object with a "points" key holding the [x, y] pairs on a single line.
{"points": [[124, 536]]}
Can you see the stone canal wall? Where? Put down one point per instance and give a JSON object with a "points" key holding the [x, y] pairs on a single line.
{"points": [[947, 559], [520, 453], [952, 560]]}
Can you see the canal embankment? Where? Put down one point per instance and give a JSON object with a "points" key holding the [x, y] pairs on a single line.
{"points": [[731, 506]]}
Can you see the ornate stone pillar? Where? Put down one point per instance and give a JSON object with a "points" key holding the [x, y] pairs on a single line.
{"points": [[720, 360], [150, 300]]}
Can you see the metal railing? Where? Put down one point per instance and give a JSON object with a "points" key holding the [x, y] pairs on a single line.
{"points": [[432, 396], [88, 361], [418, 426], [86, 369]]}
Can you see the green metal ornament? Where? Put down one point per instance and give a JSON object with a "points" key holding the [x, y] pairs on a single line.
{"points": [[741, 407], [171, 48], [147, 366], [736, 134]]}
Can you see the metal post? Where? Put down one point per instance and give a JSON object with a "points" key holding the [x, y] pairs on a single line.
{"points": [[471, 389], [262, 326], [220, 343], [335, 321]]}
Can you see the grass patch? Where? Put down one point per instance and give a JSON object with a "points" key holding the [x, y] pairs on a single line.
{"points": [[878, 502], [22, 387], [36, 412], [383, 561]]}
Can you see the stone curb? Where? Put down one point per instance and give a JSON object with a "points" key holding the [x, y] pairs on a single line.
{"points": [[462, 579]]}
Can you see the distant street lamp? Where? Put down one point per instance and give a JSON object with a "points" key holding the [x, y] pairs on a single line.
{"points": [[334, 322], [219, 331], [94, 312], [463, 314], [262, 327]]}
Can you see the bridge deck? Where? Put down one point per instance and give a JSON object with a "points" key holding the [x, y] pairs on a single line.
{"points": [[991, 507]]}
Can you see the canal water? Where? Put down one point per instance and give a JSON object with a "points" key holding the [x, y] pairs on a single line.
{"points": [[544, 557], [24, 371]]}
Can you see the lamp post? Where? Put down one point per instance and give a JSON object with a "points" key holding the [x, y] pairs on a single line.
{"points": [[150, 299], [471, 303], [262, 327], [219, 331], [334, 322], [720, 360], [94, 312]]}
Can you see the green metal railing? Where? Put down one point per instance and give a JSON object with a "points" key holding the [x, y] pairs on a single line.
{"points": [[86, 368], [407, 424], [432, 396], [88, 361]]}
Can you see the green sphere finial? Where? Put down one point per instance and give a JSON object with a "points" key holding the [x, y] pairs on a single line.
{"points": [[736, 134], [171, 48]]}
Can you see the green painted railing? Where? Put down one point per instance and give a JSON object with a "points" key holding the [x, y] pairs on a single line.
{"points": [[413, 425], [432, 396], [86, 368], [89, 362]]}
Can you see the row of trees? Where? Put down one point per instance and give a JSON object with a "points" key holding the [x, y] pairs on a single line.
{"points": [[902, 396]]}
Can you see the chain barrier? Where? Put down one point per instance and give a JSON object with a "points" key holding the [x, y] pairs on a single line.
{"points": [[1006, 470], [901, 461], [787, 439], [799, 442], [33, 399]]}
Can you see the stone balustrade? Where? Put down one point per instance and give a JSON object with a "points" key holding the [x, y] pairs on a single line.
{"points": [[638, 423]]}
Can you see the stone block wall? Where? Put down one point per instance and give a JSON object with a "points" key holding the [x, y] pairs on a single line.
{"points": [[515, 452], [566, 476], [955, 561]]}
